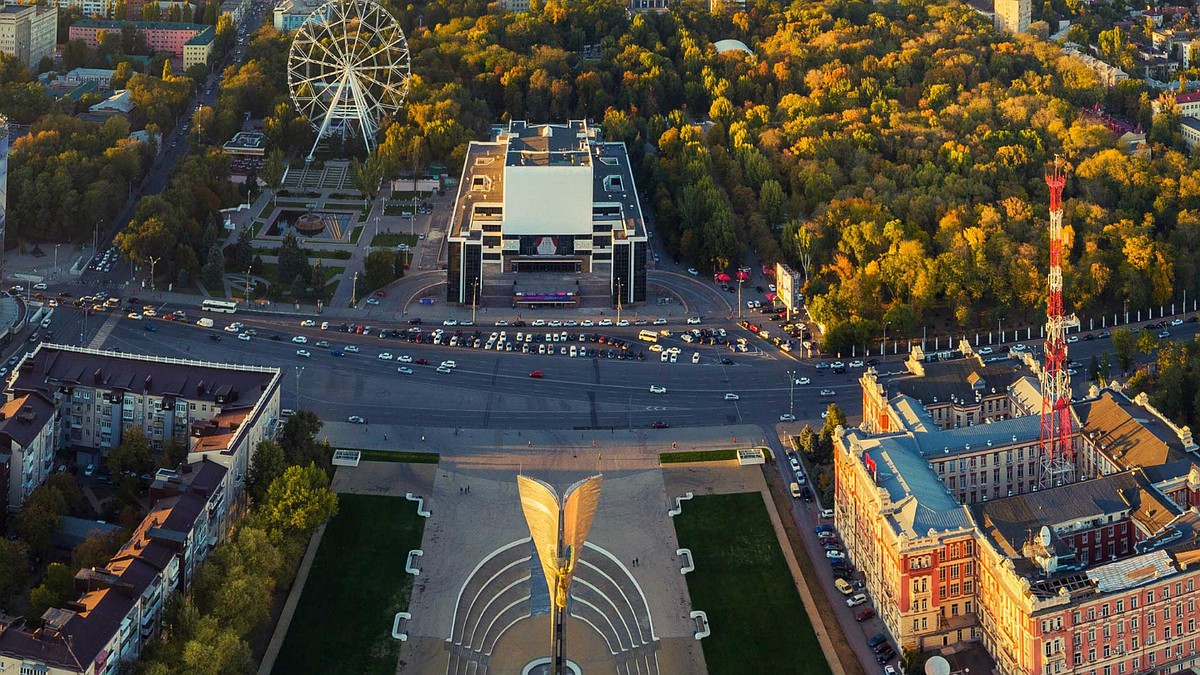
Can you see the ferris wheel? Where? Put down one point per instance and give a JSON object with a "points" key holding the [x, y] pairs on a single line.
{"points": [[348, 69]]}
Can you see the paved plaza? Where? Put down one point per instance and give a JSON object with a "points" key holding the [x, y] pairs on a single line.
{"points": [[480, 604]]}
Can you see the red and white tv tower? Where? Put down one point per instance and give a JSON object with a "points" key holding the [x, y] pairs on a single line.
{"points": [[1058, 450]]}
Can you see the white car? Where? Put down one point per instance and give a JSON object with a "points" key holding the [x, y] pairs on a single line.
{"points": [[838, 364], [135, 316], [655, 389], [587, 323], [1174, 322], [372, 301], [660, 321], [404, 358], [1073, 339], [556, 323], [854, 600], [606, 322], [1018, 348], [539, 322], [856, 364], [828, 392], [355, 419], [39, 287], [787, 417], [404, 369], [730, 396], [307, 323], [837, 555], [386, 356], [693, 321], [803, 381], [244, 337], [233, 328], [656, 348], [449, 364], [794, 463], [353, 349], [444, 370], [300, 340], [693, 271], [984, 351], [502, 323], [303, 352], [623, 322], [771, 287], [449, 322]]}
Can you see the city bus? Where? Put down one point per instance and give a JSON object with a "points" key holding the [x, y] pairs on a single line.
{"points": [[222, 306], [648, 336]]}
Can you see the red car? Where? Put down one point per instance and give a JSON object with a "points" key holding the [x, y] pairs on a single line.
{"points": [[381, 294], [865, 614], [422, 362], [537, 374], [660, 425]]}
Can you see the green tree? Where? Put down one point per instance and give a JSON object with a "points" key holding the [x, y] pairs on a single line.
{"points": [[40, 516], [298, 501], [293, 261], [97, 549], [299, 441], [273, 171], [14, 570], [174, 454], [267, 464], [235, 586], [379, 269], [132, 455], [213, 274], [56, 589], [1124, 346], [834, 418]]}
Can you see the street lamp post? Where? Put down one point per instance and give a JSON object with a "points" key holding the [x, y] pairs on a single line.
{"points": [[354, 291], [56, 260], [792, 393], [474, 299], [153, 262], [620, 290], [740, 280], [248, 270], [376, 226], [299, 396]]}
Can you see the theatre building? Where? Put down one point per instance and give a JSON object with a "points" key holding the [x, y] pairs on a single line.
{"points": [[547, 215]]}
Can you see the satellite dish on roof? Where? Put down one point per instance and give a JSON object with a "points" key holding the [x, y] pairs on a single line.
{"points": [[937, 665], [1044, 536]]}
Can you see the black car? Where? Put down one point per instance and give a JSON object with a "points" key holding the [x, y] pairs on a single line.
{"points": [[415, 321], [276, 337], [876, 640], [882, 647], [1192, 319], [727, 362], [886, 656], [518, 324], [215, 337]]}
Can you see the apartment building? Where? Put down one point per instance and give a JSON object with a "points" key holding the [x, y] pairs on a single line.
{"points": [[1186, 104], [220, 412], [28, 32], [119, 607], [29, 428], [161, 36], [1013, 16]]}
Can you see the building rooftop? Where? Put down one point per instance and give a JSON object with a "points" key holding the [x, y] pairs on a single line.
{"points": [[141, 25], [958, 378], [24, 416], [481, 190], [1128, 433], [921, 503], [204, 37], [54, 368]]}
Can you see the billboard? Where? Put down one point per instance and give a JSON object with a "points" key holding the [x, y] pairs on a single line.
{"points": [[787, 286]]}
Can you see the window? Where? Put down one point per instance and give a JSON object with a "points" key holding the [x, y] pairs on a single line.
{"points": [[1120, 606]]}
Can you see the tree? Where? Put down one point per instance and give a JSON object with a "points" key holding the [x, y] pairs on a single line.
{"points": [[379, 269], [174, 454], [267, 464], [273, 171], [1124, 344], [43, 510], [14, 570], [56, 590], [367, 176], [1147, 341], [298, 501], [235, 586], [299, 441], [213, 274], [1094, 369], [243, 251], [293, 261], [97, 549], [834, 418], [132, 455]]}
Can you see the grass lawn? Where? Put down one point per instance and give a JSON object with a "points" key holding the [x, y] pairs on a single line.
{"points": [[356, 233], [696, 456], [393, 240], [405, 457], [343, 622], [398, 210], [743, 583]]}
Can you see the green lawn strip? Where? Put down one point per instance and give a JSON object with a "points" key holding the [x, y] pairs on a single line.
{"points": [[686, 456], [398, 456], [397, 210], [343, 621], [392, 240], [742, 582], [356, 233]]}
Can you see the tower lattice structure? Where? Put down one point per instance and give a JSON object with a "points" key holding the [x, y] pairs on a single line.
{"points": [[1058, 450]]}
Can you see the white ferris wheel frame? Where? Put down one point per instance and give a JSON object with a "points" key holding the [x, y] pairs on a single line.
{"points": [[348, 68]]}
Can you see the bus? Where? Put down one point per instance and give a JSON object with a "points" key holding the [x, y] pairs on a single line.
{"points": [[222, 306], [648, 336]]}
